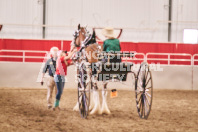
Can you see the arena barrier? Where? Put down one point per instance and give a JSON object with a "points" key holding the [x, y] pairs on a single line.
{"points": [[21, 60], [139, 47], [26, 75]]}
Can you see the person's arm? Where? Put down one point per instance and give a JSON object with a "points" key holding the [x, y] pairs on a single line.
{"points": [[72, 46], [43, 74], [44, 70], [70, 54], [69, 62]]}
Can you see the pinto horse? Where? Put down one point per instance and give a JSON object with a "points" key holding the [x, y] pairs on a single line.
{"points": [[91, 52]]}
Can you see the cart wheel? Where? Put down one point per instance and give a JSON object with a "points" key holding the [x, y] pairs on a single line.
{"points": [[83, 91], [144, 91]]}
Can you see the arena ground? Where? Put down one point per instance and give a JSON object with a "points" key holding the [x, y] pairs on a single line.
{"points": [[25, 110]]}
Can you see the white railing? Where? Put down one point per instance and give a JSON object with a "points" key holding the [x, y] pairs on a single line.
{"points": [[168, 59], [23, 56], [143, 57], [195, 60]]}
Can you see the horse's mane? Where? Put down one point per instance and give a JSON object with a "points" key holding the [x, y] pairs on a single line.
{"points": [[92, 39]]}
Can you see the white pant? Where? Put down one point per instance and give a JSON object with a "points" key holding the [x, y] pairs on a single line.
{"points": [[50, 87]]}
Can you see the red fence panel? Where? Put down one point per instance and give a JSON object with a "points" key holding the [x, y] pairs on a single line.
{"points": [[139, 47]]}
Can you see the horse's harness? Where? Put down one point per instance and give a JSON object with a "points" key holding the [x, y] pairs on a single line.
{"points": [[88, 40], [77, 33]]}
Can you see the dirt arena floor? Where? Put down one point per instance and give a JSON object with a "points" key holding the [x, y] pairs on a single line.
{"points": [[26, 110]]}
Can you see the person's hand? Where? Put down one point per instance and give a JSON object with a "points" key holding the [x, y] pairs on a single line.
{"points": [[75, 50], [72, 48], [42, 82]]}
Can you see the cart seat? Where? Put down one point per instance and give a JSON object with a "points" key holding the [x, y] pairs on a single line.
{"points": [[116, 71]]}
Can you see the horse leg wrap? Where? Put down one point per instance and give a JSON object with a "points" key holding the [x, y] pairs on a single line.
{"points": [[105, 108], [91, 106], [76, 107], [96, 109]]}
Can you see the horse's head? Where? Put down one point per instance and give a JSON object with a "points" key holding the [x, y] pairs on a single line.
{"points": [[89, 43], [80, 35]]}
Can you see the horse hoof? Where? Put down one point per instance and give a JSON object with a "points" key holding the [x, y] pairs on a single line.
{"points": [[94, 112], [76, 107], [107, 112]]}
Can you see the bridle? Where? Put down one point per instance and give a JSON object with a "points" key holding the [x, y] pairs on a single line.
{"points": [[77, 34], [89, 39]]}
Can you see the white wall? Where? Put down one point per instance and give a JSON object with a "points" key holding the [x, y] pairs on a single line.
{"points": [[26, 75], [195, 77], [174, 77], [26, 12], [139, 18], [186, 12]]}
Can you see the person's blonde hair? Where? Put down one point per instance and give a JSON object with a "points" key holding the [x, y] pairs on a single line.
{"points": [[53, 49]]}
